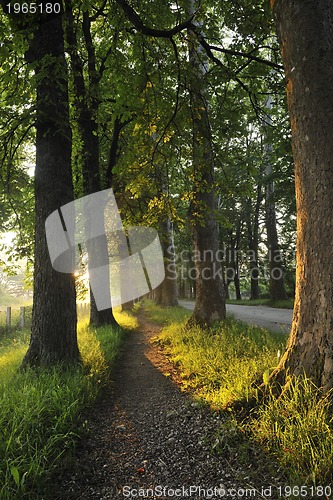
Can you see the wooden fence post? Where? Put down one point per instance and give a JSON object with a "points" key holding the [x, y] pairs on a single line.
{"points": [[22, 316], [8, 316]]}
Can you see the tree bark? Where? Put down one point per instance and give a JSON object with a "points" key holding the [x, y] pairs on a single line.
{"points": [[253, 243], [306, 39], [232, 261], [210, 295], [86, 116], [237, 247], [127, 306], [276, 282], [53, 333]]}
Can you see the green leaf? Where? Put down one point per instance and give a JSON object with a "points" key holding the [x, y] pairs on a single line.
{"points": [[266, 377], [16, 475]]}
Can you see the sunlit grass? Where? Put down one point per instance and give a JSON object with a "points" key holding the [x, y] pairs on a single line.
{"points": [[10, 362], [39, 422], [297, 428], [165, 315], [126, 319], [225, 365], [13, 346]]}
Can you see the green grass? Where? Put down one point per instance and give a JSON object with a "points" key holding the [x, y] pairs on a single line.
{"points": [[39, 418], [282, 304], [225, 364], [297, 429], [223, 368], [164, 315]]}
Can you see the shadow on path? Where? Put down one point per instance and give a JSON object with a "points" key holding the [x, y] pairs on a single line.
{"points": [[146, 433]]}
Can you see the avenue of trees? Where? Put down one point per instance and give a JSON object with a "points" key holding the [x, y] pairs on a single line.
{"points": [[180, 108]]}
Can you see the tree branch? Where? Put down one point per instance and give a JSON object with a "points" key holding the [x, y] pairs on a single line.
{"points": [[98, 12], [246, 55], [135, 19]]}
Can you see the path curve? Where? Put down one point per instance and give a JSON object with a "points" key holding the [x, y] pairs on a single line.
{"points": [[145, 432]]}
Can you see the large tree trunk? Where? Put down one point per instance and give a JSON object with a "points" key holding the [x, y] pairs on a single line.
{"points": [[276, 282], [306, 37], [53, 333], [210, 295], [87, 107]]}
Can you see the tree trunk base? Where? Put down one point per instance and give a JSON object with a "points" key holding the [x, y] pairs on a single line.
{"points": [[206, 317], [102, 318]]}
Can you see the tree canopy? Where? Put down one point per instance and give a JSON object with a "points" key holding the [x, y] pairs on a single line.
{"points": [[168, 106]]}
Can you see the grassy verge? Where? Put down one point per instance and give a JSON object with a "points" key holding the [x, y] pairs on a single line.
{"points": [[282, 304], [297, 428], [39, 422], [164, 315], [223, 367]]}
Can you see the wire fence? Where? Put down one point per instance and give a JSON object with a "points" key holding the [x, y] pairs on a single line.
{"points": [[19, 317]]}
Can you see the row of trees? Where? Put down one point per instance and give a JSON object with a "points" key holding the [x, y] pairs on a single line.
{"points": [[180, 108]]}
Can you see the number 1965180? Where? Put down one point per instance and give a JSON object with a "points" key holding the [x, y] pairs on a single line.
{"points": [[33, 8]]}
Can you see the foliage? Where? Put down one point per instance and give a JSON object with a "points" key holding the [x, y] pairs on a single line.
{"points": [[16, 140], [142, 84]]}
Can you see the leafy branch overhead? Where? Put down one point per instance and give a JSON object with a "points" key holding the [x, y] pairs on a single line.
{"points": [[189, 24]]}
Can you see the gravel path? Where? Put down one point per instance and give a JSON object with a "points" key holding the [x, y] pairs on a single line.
{"points": [[146, 433]]}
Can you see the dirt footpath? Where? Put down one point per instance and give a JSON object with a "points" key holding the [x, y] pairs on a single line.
{"points": [[147, 438]]}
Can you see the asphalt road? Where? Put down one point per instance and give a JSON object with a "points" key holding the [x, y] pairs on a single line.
{"points": [[274, 319]]}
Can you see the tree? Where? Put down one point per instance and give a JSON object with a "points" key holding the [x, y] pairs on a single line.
{"points": [[276, 281], [210, 296], [306, 39], [252, 224], [166, 293], [231, 259], [210, 300], [86, 101], [53, 333]]}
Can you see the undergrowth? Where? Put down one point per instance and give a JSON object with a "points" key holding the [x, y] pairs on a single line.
{"points": [[223, 367], [297, 428], [39, 417], [225, 364]]}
